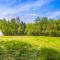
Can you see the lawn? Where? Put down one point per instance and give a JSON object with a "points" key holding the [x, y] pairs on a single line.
{"points": [[31, 47]]}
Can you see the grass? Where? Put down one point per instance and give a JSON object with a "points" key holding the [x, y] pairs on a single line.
{"points": [[30, 47], [42, 41]]}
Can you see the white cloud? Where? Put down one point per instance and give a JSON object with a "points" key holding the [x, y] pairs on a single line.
{"points": [[6, 3], [54, 14], [22, 8], [12, 11], [32, 14]]}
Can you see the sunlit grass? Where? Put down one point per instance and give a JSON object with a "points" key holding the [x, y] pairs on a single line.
{"points": [[41, 41]]}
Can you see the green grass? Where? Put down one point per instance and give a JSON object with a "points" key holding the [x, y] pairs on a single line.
{"points": [[42, 41], [29, 48]]}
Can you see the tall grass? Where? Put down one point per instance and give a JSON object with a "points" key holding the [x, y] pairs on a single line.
{"points": [[18, 50]]}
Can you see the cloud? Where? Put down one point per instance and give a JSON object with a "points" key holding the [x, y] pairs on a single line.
{"points": [[54, 14], [32, 14], [6, 3], [12, 11]]}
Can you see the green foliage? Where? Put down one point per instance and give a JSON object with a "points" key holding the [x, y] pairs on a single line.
{"points": [[12, 27], [44, 27], [41, 27]]}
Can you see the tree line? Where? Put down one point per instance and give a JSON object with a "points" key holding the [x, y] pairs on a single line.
{"points": [[40, 27]]}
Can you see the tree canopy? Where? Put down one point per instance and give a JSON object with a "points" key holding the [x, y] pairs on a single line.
{"points": [[40, 27]]}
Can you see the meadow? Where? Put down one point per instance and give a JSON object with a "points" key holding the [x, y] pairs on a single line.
{"points": [[29, 48]]}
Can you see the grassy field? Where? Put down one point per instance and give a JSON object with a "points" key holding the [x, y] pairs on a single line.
{"points": [[42, 41], [48, 46]]}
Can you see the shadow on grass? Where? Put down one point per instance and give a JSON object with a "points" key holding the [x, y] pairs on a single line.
{"points": [[48, 54]]}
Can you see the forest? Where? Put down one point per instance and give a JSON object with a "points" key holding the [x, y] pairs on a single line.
{"points": [[40, 27]]}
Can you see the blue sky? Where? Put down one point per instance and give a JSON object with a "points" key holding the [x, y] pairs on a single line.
{"points": [[28, 10]]}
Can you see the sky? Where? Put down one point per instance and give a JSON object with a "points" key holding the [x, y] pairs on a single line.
{"points": [[28, 10]]}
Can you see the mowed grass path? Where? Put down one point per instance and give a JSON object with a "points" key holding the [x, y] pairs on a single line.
{"points": [[40, 41]]}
